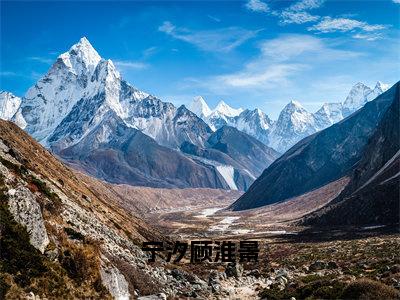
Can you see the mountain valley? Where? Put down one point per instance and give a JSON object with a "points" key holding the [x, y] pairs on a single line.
{"points": [[91, 168]]}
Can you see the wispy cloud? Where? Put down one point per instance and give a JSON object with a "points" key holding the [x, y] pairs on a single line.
{"points": [[328, 24], [279, 61], [288, 47], [257, 6], [8, 74], [396, 1], [250, 77], [289, 17], [214, 18], [149, 51], [306, 5], [368, 36], [44, 60], [124, 64], [30, 75], [298, 12], [217, 40]]}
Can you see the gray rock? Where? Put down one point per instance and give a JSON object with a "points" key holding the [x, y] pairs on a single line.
{"points": [[26, 211], [178, 274], [282, 279], [160, 296], [213, 282], [255, 273], [317, 265], [332, 265], [282, 272], [52, 254], [234, 270], [114, 281]]}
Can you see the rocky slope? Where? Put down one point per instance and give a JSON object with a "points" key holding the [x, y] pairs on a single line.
{"points": [[319, 158], [372, 195], [61, 236], [246, 150], [238, 157], [121, 154]]}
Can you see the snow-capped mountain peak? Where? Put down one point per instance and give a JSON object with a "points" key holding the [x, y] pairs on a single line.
{"points": [[105, 72], [226, 110], [69, 79], [356, 98], [361, 94], [200, 107], [294, 123], [292, 107], [383, 87], [83, 52], [328, 114], [9, 105], [378, 89]]}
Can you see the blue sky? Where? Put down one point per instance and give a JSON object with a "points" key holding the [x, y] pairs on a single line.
{"points": [[248, 53]]}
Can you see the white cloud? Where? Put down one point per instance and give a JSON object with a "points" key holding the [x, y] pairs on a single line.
{"points": [[217, 40], [150, 51], [396, 1], [215, 19], [279, 61], [130, 64], [288, 47], [306, 5], [8, 74], [329, 24], [167, 27], [256, 77], [289, 17], [297, 12], [257, 6], [368, 36], [40, 59]]}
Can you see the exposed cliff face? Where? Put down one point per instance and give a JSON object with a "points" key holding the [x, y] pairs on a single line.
{"points": [[120, 154], [372, 195]]}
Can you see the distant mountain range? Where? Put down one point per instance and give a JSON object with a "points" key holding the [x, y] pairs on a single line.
{"points": [[88, 115], [364, 147], [294, 122], [85, 112]]}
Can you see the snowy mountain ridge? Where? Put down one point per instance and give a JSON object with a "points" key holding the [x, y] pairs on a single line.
{"points": [[81, 87], [9, 105], [85, 112], [294, 122]]}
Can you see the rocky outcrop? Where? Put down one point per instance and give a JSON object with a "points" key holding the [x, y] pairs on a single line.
{"points": [[26, 211], [96, 242], [114, 281]]}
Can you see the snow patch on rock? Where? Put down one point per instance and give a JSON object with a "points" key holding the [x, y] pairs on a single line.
{"points": [[228, 173]]}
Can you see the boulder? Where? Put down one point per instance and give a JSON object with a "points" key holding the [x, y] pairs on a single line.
{"points": [[26, 211], [234, 270]]}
